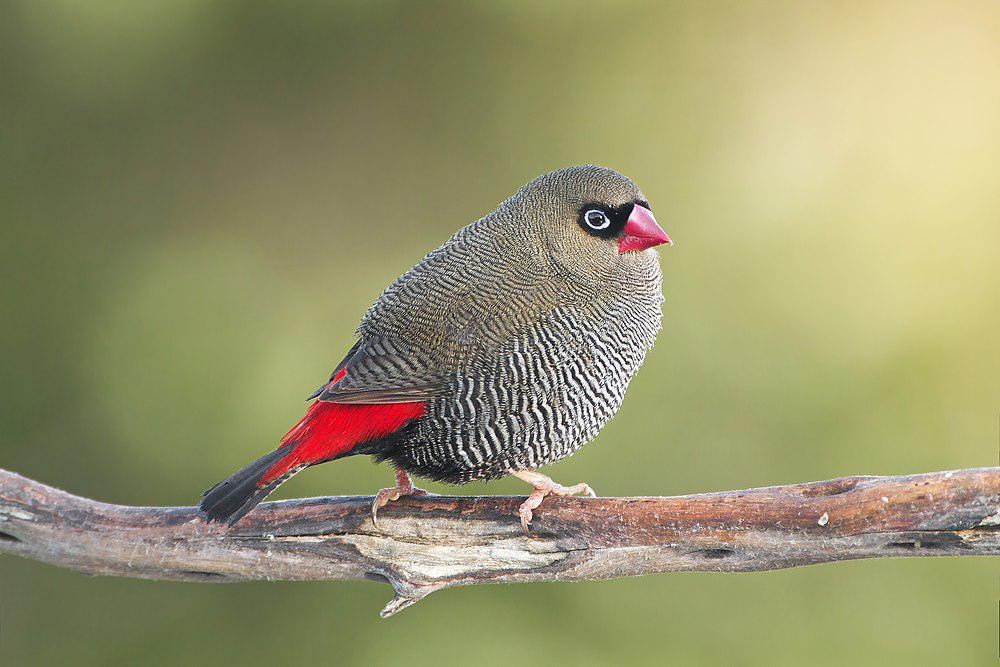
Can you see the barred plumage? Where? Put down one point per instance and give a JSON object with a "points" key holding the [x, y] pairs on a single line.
{"points": [[535, 354], [505, 349]]}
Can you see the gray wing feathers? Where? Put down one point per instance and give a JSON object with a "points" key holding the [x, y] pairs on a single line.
{"points": [[382, 371]]}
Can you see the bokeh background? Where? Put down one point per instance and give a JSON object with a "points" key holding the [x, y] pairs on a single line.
{"points": [[199, 200]]}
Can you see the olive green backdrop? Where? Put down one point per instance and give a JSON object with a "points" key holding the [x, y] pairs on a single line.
{"points": [[199, 200]]}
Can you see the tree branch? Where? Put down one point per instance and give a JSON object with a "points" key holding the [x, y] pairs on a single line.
{"points": [[426, 543]]}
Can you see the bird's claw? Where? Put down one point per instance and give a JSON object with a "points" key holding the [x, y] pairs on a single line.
{"points": [[525, 514], [383, 498], [404, 487], [543, 486]]}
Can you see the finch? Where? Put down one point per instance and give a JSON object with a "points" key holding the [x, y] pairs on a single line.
{"points": [[502, 351]]}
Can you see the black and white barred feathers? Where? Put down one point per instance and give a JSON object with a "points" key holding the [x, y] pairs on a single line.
{"points": [[521, 333]]}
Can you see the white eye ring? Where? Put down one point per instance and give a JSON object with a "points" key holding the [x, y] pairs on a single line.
{"points": [[597, 219]]}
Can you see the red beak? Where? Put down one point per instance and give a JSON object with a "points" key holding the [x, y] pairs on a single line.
{"points": [[641, 231]]}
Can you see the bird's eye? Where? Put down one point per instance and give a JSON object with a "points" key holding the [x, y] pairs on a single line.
{"points": [[596, 219]]}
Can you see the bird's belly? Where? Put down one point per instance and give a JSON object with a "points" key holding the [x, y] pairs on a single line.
{"points": [[549, 392]]}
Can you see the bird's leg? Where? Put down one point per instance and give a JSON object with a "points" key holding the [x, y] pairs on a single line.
{"points": [[544, 486], [404, 487]]}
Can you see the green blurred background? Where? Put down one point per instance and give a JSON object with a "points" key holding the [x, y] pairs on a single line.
{"points": [[199, 200]]}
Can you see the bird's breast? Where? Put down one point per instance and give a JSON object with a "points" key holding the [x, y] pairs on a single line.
{"points": [[537, 395]]}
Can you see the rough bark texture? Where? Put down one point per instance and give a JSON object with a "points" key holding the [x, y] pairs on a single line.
{"points": [[426, 543]]}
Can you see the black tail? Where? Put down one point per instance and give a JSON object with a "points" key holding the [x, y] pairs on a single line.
{"points": [[239, 493]]}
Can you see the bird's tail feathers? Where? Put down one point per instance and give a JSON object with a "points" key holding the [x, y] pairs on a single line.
{"points": [[328, 431], [229, 500]]}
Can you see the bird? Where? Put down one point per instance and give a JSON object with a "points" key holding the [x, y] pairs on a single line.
{"points": [[502, 351]]}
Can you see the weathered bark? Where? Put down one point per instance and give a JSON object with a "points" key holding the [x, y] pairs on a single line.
{"points": [[426, 543]]}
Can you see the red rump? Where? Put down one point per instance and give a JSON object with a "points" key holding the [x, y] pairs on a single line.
{"points": [[329, 429]]}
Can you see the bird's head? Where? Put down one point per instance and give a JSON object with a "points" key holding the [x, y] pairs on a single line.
{"points": [[591, 218]]}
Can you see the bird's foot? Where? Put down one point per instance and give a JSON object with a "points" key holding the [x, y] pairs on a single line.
{"points": [[404, 487], [543, 486]]}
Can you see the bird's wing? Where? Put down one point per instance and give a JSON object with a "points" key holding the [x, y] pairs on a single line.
{"points": [[381, 372]]}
